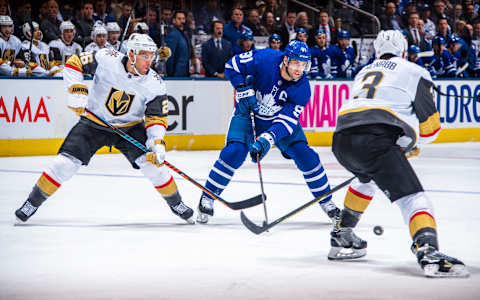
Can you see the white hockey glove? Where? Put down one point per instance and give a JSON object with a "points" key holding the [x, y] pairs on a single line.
{"points": [[77, 98], [157, 154]]}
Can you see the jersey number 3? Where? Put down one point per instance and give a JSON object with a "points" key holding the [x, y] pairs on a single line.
{"points": [[372, 86]]}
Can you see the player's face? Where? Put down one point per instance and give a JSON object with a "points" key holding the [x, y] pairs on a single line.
{"points": [[101, 40], [295, 67], [321, 40], [413, 57], [343, 43], [113, 36], [302, 37], [144, 61], [275, 44], [6, 30], [247, 45], [37, 34], [67, 35]]}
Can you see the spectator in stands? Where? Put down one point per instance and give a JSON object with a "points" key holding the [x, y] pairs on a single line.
{"points": [[216, 52], [348, 17], [323, 23], [302, 21], [166, 16], [3, 8], [207, 14], [459, 12], [126, 11], [301, 34], [261, 7], [409, 8], [277, 10], [101, 14], [274, 41], [439, 12], [190, 25], [85, 25], [414, 35], [152, 22], [429, 26], [321, 62], [268, 22], [287, 29], [22, 14], [476, 31], [253, 22], [443, 29], [390, 20], [235, 28], [470, 13], [50, 25], [113, 30], [179, 43], [43, 11], [61, 49], [244, 44]]}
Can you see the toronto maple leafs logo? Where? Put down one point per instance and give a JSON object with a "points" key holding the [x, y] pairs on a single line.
{"points": [[267, 105]]}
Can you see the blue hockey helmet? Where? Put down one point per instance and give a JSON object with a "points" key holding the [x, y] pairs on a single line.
{"points": [[438, 40], [298, 50], [246, 35], [301, 30], [320, 31], [343, 34], [413, 49], [274, 37], [453, 39]]}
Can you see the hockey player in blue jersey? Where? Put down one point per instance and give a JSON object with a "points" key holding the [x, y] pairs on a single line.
{"points": [[442, 63], [301, 34], [244, 44], [463, 54], [343, 56], [413, 51], [321, 62], [274, 86]]}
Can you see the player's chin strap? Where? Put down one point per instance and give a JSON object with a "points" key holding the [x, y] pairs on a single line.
{"points": [[132, 64], [288, 73]]}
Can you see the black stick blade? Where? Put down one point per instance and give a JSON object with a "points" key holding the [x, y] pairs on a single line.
{"points": [[250, 202], [252, 226]]}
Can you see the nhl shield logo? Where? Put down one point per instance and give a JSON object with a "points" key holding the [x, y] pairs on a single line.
{"points": [[118, 102]]}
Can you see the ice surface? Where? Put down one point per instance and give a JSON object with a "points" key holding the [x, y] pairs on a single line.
{"points": [[107, 234]]}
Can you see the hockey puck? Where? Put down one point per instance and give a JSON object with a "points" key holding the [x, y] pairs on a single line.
{"points": [[378, 230]]}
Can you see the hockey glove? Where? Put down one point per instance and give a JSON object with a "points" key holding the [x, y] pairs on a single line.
{"points": [[246, 100], [415, 151], [164, 53], [77, 98], [157, 155], [261, 146]]}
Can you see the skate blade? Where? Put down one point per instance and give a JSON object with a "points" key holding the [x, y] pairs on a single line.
{"points": [[202, 218], [457, 271], [18, 222], [190, 220], [340, 253]]}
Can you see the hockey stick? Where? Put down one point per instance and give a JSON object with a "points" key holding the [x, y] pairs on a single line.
{"points": [[425, 54], [476, 98], [463, 68], [259, 229], [233, 205], [252, 118]]}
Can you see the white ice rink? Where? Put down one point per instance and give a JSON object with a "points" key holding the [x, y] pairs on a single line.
{"points": [[107, 234]]}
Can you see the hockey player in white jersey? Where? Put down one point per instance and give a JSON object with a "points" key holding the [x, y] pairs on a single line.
{"points": [[391, 112], [64, 47], [113, 34], [40, 52], [99, 38], [11, 53], [125, 91]]}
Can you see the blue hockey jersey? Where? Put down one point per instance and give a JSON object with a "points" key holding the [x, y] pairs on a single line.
{"points": [[321, 63], [343, 62], [442, 65], [280, 101]]}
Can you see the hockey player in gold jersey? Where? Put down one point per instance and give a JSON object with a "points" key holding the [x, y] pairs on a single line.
{"points": [[391, 113], [127, 94]]}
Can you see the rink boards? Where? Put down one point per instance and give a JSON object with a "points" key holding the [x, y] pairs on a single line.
{"points": [[34, 118]]}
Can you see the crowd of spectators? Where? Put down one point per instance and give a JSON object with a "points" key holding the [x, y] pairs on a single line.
{"points": [[442, 34]]}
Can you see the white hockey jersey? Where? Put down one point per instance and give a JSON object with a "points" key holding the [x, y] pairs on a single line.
{"points": [[118, 96], [94, 47], [40, 53], [10, 49], [394, 92], [61, 52]]}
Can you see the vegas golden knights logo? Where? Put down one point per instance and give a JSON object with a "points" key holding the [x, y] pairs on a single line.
{"points": [[118, 102], [9, 55], [44, 61]]}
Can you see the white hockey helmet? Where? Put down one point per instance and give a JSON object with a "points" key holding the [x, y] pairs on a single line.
{"points": [[26, 29], [98, 30], [390, 42], [138, 42], [113, 27], [141, 27], [6, 21]]}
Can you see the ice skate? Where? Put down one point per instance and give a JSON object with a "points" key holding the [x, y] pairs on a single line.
{"points": [[25, 212], [345, 244], [205, 209], [183, 212], [436, 264]]}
